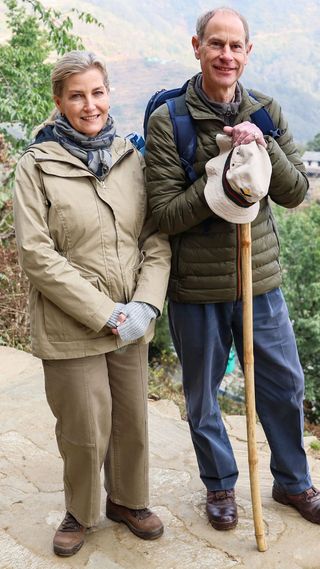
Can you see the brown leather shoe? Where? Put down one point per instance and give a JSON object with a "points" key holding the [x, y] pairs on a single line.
{"points": [[143, 523], [222, 509], [307, 503], [69, 537]]}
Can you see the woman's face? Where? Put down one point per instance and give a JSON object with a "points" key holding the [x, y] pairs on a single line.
{"points": [[85, 101]]}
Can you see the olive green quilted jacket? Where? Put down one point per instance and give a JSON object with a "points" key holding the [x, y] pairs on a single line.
{"points": [[206, 265]]}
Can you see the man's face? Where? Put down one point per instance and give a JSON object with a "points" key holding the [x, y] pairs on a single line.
{"points": [[223, 54]]}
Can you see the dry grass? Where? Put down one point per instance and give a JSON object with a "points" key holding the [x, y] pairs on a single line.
{"points": [[14, 320]]}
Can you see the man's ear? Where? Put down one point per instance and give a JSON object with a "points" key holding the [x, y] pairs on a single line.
{"points": [[248, 51], [196, 46]]}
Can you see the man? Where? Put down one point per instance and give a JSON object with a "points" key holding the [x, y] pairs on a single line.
{"points": [[205, 309]]}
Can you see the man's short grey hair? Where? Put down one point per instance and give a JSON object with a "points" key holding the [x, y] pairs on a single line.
{"points": [[76, 62], [204, 19]]}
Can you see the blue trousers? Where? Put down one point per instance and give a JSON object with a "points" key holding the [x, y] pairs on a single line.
{"points": [[202, 335]]}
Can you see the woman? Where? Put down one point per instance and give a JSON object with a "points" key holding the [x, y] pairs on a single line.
{"points": [[98, 273]]}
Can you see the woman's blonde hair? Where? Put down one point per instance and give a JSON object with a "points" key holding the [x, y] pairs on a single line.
{"points": [[69, 64], [76, 62]]}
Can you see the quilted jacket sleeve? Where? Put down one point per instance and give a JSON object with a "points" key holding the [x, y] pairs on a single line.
{"points": [[175, 206], [289, 183]]}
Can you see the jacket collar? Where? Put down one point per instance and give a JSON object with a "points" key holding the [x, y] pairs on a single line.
{"points": [[200, 111], [51, 157]]}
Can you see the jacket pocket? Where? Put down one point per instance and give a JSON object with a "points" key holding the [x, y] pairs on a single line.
{"points": [[61, 327]]}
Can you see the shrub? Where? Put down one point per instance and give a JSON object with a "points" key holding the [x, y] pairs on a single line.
{"points": [[300, 258], [14, 320]]}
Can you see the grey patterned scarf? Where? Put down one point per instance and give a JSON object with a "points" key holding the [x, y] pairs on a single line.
{"points": [[94, 151]]}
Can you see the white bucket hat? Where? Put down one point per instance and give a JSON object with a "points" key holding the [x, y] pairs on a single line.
{"points": [[238, 178]]}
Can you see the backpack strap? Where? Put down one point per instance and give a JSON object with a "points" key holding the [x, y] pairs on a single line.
{"points": [[158, 99], [184, 133], [262, 119], [137, 140]]}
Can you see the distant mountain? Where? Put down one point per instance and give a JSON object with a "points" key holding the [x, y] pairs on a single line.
{"points": [[147, 45]]}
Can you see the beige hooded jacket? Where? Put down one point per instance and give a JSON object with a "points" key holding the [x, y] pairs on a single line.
{"points": [[85, 245]]}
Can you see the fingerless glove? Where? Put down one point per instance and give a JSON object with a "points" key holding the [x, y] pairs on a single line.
{"points": [[138, 317]]}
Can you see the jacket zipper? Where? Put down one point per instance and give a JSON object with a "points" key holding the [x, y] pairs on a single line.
{"points": [[238, 261]]}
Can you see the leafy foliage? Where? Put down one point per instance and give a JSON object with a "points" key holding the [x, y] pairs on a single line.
{"points": [[36, 33], [161, 344], [300, 242], [315, 143], [25, 96]]}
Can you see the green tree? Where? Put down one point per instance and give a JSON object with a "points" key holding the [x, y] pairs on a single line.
{"points": [[315, 143], [300, 259], [25, 98], [36, 34]]}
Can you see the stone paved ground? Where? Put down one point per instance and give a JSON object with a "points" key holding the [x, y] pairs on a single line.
{"points": [[31, 497]]}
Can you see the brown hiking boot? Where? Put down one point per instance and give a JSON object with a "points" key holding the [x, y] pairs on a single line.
{"points": [[69, 537], [143, 523], [307, 503], [222, 509]]}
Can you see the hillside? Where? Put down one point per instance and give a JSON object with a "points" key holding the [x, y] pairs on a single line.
{"points": [[147, 47]]}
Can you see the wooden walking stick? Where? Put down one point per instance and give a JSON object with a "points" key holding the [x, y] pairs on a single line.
{"points": [[249, 384]]}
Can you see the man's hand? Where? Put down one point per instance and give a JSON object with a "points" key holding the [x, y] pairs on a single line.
{"points": [[244, 133]]}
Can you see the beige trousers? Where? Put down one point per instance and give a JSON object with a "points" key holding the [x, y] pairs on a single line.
{"points": [[100, 403]]}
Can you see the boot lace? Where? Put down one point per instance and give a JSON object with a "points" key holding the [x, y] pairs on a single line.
{"points": [[220, 495], [141, 514], [311, 493], [69, 523]]}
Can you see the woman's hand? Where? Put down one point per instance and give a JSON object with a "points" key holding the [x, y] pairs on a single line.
{"points": [[135, 320], [121, 319], [130, 321]]}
